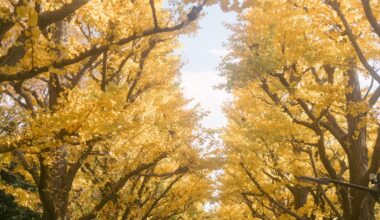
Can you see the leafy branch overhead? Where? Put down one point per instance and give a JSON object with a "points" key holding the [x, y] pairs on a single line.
{"points": [[92, 118], [305, 79], [94, 124]]}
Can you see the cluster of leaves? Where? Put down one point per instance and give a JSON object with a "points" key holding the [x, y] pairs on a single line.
{"points": [[93, 123], [304, 105]]}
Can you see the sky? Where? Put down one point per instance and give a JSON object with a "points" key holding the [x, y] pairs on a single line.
{"points": [[202, 54]]}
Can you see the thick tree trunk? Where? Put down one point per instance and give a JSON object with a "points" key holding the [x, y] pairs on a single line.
{"points": [[362, 201], [54, 188]]}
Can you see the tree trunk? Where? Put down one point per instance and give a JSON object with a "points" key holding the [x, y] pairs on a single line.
{"points": [[55, 191], [362, 201], [300, 195]]}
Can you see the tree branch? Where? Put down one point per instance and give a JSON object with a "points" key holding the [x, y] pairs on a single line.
{"points": [[154, 204], [103, 82], [375, 161], [336, 7], [153, 8], [27, 166], [95, 50], [143, 58], [77, 77], [73, 169], [319, 187], [371, 17], [116, 186], [271, 199], [49, 17]]}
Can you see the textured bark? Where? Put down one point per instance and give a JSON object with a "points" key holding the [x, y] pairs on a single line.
{"points": [[56, 190], [300, 195], [362, 202]]}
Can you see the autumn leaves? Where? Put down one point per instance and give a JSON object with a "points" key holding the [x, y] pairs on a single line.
{"points": [[304, 106], [93, 121], [91, 113]]}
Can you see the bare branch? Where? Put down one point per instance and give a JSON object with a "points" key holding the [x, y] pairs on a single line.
{"points": [[369, 89], [103, 82], [153, 8], [77, 77], [371, 17], [374, 97]]}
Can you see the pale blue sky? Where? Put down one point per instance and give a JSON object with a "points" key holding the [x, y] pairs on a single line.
{"points": [[202, 54]]}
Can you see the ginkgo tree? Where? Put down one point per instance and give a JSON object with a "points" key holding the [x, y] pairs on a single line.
{"points": [[93, 123], [306, 85]]}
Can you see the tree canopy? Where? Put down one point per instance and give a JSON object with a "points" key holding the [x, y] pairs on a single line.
{"points": [[305, 79], [94, 124]]}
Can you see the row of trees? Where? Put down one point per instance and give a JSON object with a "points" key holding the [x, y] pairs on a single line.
{"points": [[93, 122], [94, 125], [305, 79]]}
